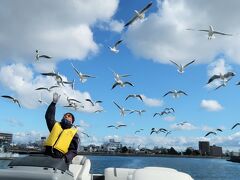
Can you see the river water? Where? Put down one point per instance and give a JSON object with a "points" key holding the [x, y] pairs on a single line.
{"points": [[198, 168]]}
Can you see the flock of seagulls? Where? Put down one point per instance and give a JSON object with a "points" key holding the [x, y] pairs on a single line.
{"points": [[118, 81]]}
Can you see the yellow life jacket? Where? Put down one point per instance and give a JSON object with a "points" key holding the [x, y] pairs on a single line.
{"points": [[60, 138]]}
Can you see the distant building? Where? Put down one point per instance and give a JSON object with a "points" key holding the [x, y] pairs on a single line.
{"points": [[6, 139], [216, 151], [204, 147], [112, 145]]}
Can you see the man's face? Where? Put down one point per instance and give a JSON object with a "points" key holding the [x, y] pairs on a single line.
{"points": [[68, 117]]}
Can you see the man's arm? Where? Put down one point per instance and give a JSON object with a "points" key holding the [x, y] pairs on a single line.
{"points": [[72, 150], [50, 115]]}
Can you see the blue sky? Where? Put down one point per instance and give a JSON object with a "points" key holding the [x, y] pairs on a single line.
{"points": [[147, 47]]}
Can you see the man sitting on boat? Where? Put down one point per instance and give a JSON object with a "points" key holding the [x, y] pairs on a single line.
{"points": [[63, 139]]}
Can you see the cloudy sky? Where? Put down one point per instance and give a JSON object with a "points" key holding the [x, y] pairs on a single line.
{"points": [[79, 32]]}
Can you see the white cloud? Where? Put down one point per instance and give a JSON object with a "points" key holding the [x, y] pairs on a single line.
{"points": [[112, 25], [58, 28], [163, 35], [169, 118], [25, 137], [20, 80], [186, 126], [151, 102], [211, 105]]}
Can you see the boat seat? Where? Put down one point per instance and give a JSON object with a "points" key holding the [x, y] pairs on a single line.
{"points": [[79, 160], [118, 173], [159, 173], [80, 168]]}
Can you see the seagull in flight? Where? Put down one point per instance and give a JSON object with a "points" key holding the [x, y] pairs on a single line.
{"points": [[121, 109], [138, 131], [48, 89], [220, 130], [165, 111], [93, 102], [139, 14], [98, 111], [168, 132], [117, 126], [85, 134], [211, 132], [121, 83], [175, 93], [57, 77], [13, 99], [158, 130], [117, 76], [182, 123], [138, 111], [181, 67], [41, 56], [223, 77], [83, 77], [114, 48], [134, 96], [40, 100], [235, 125], [211, 32]]}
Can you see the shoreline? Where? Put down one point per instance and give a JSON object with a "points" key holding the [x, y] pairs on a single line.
{"points": [[149, 155], [126, 155]]}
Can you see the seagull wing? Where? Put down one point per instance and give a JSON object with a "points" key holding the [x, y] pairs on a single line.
{"points": [[8, 97], [42, 88], [189, 63], [131, 21], [204, 30], [88, 76], [98, 102], [213, 78], [220, 130], [169, 132], [181, 92], [156, 114], [117, 43], [136, 132], [89, 100], [115, 84], [121, 125], [53, 87], [169, 92], [125, 75], [45, 56], [175, 63], [139, 96], [126, 82], [75, 69], [219, 86], [146, 8], [235, 125], [130, 95], [110, 126], [210, 133], [152, 132], [74, 100], [221, 33], [117, 105], [49, 74]]}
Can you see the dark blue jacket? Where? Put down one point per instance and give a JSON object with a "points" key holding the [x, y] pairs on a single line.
{"points": [[72, 150]]}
